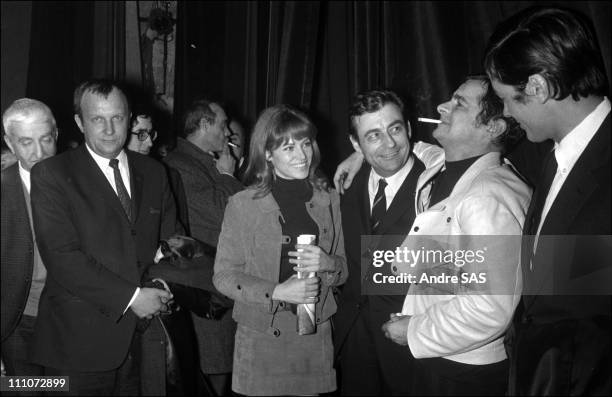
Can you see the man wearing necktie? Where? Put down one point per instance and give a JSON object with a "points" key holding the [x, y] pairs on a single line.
{"points": [[99, 213], [379, 203], [547, 67]]}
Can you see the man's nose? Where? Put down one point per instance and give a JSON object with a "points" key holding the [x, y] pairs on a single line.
{"points": [[443, 108], [389, 141], [38, 151]]}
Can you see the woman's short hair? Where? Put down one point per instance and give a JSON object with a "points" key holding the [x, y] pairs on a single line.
{"points": [[275, 126]]}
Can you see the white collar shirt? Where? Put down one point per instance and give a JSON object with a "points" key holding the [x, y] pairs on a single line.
{"points": [[394, 182], [107, 170], [570, 149], [25, 177]]}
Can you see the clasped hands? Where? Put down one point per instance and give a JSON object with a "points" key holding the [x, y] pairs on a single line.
{"points": [[151, 302], [308, 258], [396, 328]]}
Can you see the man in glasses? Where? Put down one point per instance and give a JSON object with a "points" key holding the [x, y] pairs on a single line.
{"points": [[142, 134]]}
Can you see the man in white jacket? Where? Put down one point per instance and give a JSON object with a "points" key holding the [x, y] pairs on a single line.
{"points": [[466, 196]]}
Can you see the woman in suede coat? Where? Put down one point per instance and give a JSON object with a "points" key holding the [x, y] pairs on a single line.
{"points": [[257, 259]]}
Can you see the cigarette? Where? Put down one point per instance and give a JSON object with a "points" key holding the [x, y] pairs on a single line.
{"points": [[426, 120], [233, 145]]}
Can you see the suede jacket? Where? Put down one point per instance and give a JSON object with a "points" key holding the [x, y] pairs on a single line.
{"points": [[247, 264]]}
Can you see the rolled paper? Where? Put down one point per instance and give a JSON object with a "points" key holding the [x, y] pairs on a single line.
{"points": [[306, 311], [428, 120]]}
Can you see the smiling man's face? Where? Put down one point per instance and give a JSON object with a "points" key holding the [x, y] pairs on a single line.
{"points": [[383, 139]]}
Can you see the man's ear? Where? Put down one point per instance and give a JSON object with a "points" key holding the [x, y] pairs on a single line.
{"points": [[355, 144], [497, 127], [79, 122], [408, 129], [537, 87], [8, 142]]}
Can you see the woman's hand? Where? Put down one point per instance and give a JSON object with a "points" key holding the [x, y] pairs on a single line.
{"points": [[311, 259], [294, 290]]}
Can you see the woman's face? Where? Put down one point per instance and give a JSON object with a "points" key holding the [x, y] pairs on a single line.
{"points": [[292, 159]]}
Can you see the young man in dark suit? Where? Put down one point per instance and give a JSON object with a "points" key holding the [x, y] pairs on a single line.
{"points": [[99, 213], [379, 202], [547, 67], [31, 134]]}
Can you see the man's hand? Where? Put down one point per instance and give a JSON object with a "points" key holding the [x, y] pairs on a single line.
{"points": [[311, 259], [396, 329], [226, 163], [150, 302], [346, 171]]}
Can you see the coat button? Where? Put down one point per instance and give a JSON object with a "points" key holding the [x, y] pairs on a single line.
{"points": [[282, 305], [416, 229], [394, 269], [311, 205], [448, 219], [267, 295], [276, 332], [238, 286], [318, 320]]}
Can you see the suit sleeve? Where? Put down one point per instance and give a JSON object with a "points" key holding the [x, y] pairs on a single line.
{"points": [[207, 196], [470, 320], [62, 250], [230, 277], [339, 276]]}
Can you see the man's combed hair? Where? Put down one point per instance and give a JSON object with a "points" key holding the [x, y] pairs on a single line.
{"points": [[197, 110], [102, 87], [370, 102], [492, 108], [556, 43]]}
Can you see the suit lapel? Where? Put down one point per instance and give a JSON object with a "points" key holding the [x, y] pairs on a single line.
{"points": [[136, 184], [404, 198], [580, 183], [92, 175], [363, 200]]}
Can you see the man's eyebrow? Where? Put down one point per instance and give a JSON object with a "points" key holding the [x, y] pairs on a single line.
{"points": [[459, 98]]}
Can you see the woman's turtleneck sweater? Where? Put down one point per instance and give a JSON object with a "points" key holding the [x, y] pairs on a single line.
{"points": [[446, 180], [292, 196]]}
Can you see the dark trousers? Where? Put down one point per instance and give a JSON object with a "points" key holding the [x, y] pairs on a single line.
{"points": [[371, 364], [15, 353], [123, 381], [442, 377]]}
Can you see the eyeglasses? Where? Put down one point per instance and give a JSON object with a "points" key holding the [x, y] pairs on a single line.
{"points": [[144, 134]]}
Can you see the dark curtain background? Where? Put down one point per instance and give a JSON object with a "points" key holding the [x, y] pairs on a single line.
{"points": [[316, 55], [72, 41]]}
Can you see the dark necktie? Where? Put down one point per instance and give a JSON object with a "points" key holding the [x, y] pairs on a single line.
{"points": [[379, 207], [124, 197], [541, 192], [534, 214]]}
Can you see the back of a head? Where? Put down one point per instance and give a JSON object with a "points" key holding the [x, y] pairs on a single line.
{"points": [[198, 109], [556, 43], [369, 102], [26, 110]]}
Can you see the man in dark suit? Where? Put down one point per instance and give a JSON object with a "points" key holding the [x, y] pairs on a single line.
{"points": [[546, 66], [99, 213], [379, 202], [31, 134], [208, 182]]}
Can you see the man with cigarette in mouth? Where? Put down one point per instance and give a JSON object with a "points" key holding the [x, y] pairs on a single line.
{"points": [[467, 189], [208, 183]]}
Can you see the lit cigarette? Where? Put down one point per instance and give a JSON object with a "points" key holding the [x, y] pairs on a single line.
{"points": [[232, 145], [426, 120]]}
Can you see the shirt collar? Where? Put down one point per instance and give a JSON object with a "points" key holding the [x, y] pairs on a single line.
{"points": [[394, 182], [103, 162], [25, 177], [573, 144]]}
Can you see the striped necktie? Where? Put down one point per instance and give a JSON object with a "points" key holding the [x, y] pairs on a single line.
{"points": [[379, 207]]}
